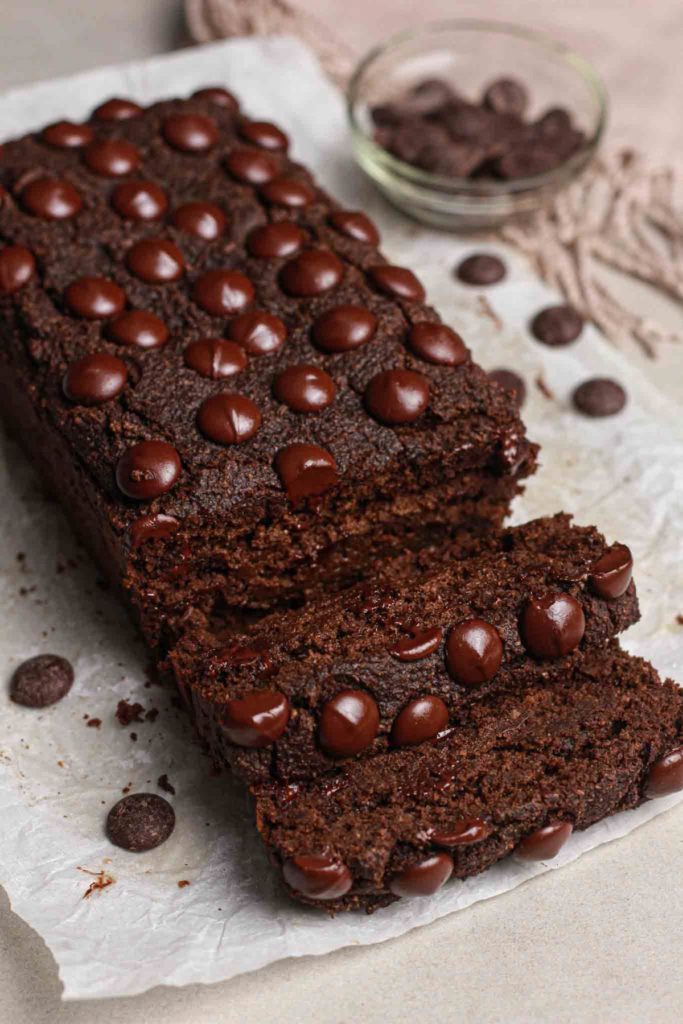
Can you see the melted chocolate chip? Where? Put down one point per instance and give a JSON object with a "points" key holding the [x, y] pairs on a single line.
{"points": [[474, 652], [285, 191], [140, 328], [397, 396], [545, 843], [599, 397], [355, 224], [140, 200], [423, 878], [263, 134], [420, 720], [95, 298], [252, 166], [482, 268], [305, 470], [51, 199], [611, 574], [17, 267], [436, 343], [398, 281], [155, 261], [112, 158], [140, 822], [275, 241], [420, 644], [665, 775], [190, 133], [154, 527], [228, 419], [311, 273], [94, 379], [258, 332], [68, 135], [257, 719], [215, 358], [203, 220], [552, 626], [344, 328], [117, 109], [557, 325], [148, 469], [41, 681], [317, 877], [462, 833], [304, 388], [349, 723], [223, 292]]}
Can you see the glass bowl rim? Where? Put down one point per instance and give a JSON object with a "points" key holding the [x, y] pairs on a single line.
{"points": [[445, 183]]}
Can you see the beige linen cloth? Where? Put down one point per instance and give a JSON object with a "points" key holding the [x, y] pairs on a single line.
{"points": [[621, 215]]}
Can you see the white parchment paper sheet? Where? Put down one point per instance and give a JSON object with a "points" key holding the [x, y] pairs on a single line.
{"points": [[58, 776]]}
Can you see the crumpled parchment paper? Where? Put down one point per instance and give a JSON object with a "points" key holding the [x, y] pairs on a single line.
{"points": [[119, 923]]}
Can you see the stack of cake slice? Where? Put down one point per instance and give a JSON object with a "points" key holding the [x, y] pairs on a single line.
{"points": [[298, 478]]}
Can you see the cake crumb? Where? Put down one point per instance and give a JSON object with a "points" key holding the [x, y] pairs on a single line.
{"points": [[127, 712], [679, 619], [164, 783], [94, 723], [183, 883]]}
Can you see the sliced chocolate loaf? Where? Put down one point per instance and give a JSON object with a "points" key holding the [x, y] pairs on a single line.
{"points": [[519, 772], [396, 662], [233, 394]]}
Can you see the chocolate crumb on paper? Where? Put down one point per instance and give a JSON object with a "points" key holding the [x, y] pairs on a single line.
{"points": [[102, 880], [126, 712]]}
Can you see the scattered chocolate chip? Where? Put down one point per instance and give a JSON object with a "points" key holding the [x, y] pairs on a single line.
{"points": [[94, 379], [481, 269], [420, 720], [545, 843], [263, 134], [397, 281], [344, 328], [17, 267], [424, 877], [215, 358], [217, 95], [139, 200], [474, 652], [512, 382], [349, 723], [552, 626], [355, 224], [599, 397], [117, 109], [203, 220], [141, 821], [148, 469], [259, 333], [223, 292], [665, 775], [611, 574], [51, 199], [41, 681], [190, 133], [155, 261], [436, 343], [139, 328], [112, 158], [395, 397], [95, 298], [311, 273], [462, 833], [420, 643], [317, 877], [256, 719], [557, 325], [304, 388], [305, 470], [228, 418]]}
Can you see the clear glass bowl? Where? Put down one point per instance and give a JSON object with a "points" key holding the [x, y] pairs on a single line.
{"points": [[470, 54]]}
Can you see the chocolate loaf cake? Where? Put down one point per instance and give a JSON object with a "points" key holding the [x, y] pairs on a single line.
{"points": [[234, 395], [399, 661], [518, 773]]}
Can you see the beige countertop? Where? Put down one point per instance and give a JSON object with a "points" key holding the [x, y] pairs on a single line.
{"points": [[599, 940]]}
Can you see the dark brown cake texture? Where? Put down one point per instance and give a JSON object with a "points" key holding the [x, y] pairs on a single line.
{"points": [[399, 661], [521, 770], [233, 394]]}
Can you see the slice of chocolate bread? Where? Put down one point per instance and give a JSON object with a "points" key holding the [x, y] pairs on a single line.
{"points": [[399, 661], [211, 364], [519, 771]]}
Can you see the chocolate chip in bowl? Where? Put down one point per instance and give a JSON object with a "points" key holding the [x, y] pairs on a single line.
{"points": [[464, 124]]}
